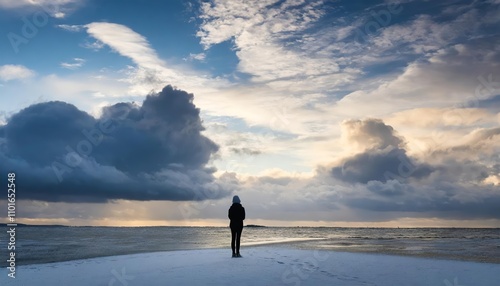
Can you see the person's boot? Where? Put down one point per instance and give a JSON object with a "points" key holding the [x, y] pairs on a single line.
{"points": [[238, 255], [234, 255]]}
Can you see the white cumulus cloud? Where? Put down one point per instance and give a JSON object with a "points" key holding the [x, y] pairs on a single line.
{"points": [[15, 72], [76, 64]]}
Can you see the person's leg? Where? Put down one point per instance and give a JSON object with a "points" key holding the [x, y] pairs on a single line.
{"points": [[233, 239], [238, 239]]}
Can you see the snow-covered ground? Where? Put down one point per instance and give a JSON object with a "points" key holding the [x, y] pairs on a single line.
{"points": [[259, 266]]}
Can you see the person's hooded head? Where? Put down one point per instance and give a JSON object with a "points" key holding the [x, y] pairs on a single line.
{"points": [[236, 200]]}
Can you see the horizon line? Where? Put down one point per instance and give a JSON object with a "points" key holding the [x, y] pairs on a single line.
{"points": [[253, 226]]}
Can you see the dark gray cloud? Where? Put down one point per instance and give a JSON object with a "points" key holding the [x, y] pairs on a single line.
{"points": [[245, 151], [151, 152], [384, 159], [445, 200], [380, 165]]}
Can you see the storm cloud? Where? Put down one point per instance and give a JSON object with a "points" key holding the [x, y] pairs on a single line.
{"points": [[384, 179], [384, 157], [155, 151]]}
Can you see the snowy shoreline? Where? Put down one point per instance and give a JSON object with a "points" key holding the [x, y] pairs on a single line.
{"points": [[260, 266]]}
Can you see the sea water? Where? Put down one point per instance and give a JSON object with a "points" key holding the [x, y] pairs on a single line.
{"points": [[52, 244]]}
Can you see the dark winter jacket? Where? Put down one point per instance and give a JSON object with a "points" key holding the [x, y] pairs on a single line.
{"points": [[236, 214]]}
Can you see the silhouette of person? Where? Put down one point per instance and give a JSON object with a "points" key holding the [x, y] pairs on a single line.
{"points": [[236, 214]]}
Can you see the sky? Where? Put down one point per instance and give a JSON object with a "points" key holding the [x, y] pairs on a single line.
{"points": [[316, 113]]}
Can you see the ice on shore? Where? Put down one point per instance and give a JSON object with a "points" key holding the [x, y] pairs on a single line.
{"points": [[259, 266]]}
